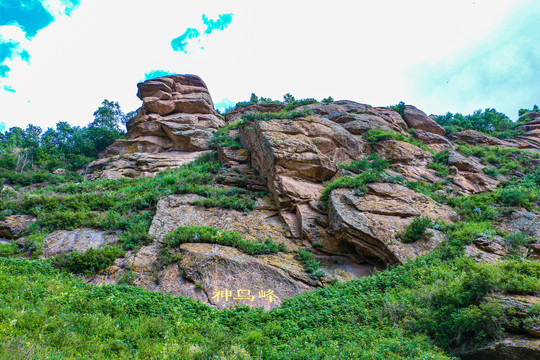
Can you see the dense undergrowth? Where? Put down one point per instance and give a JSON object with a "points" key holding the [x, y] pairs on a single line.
{"points": [[412, 311], [123, 204]]}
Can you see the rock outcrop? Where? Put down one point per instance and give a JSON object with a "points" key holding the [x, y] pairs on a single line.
{"points": [[373, 221], [293, 159], [417, 119], [76, 240], [177, 116], [12, 226]]}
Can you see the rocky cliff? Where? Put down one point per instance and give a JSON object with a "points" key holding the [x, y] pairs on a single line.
{"points": [[327, 191]]}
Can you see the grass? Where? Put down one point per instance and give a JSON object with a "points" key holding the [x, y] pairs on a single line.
{"points": [[205, 234], [249, 117], [89, 262], [412, 311], [375, 136], [123, 204]]}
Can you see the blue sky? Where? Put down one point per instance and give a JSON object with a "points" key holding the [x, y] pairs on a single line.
{"points": [[60, 58]]}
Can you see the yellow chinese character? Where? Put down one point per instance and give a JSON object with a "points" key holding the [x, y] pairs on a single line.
{"points": [[222, 294], [244, 295], [268, 295]]}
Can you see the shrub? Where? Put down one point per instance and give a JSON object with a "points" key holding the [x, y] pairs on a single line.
{"points": [[416, 230], [205, 234], [248, 117], [89, 262], [399, 108], [311, 265]]}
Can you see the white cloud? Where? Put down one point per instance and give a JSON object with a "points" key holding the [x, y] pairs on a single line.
{"points": [[362, 50]]}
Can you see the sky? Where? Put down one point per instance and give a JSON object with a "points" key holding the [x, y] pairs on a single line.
{"points": [[59, 59]]}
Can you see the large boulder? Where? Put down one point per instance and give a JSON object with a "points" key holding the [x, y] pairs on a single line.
{"points": [[177, 115], [417, 119], [12, 226], [76, 240], [297, 155], [372, 222]]}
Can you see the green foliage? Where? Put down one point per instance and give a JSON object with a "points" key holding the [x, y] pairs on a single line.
{"points": [[311, 265], [254, 99], [399, 108], [89, 262], [370, 169], [327, 100], [223, 138], [507, 161], [29, 156], [270, 116], [372, 162], [374, 136], [489, 122], [441, 170], [357, 182], [416, 230], [296, 103], [124, 204], [409, 311], [205, 234]]}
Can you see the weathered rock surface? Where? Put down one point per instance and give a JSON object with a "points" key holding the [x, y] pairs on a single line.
{"points": [[257, 225], [473, 137], [417, 119], [358, 118], [138, 164], [76, 240], [372, 222], [433, 141], [297, 155], [177, 115], [512, 347], [12, 226], [403, 153]]}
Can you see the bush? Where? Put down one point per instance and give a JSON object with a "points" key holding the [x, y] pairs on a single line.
{"points": [[399, 108], [416, 230], [89, 262], [311, 265], [205, 234]]}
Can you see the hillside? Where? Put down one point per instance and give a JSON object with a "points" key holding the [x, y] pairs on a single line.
{"points": [[278, 230]]}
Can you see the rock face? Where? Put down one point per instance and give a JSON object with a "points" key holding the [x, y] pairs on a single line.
{"points": [[138, 164], [297, 155], [256, 225], [293, 159], [177, 116], [372, 222], [76, 240], [417, 119], [12, 226]]}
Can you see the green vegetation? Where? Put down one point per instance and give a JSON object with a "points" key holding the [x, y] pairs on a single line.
{"points": [[205, 234], [311, 265], [89, 262], [223, 138], [254, 99], [505, 161], [29, 156], [124, 204], [270, 116], [410, 311], [440, 164], [416, 230], [371, 170], [399, 108], [489, 122], [374, 136]]}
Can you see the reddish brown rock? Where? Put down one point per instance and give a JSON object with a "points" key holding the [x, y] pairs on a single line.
{"points": [[297, 155], [402, 152], [434, 141], [417, 119], [372, 222], [473, 137]]}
